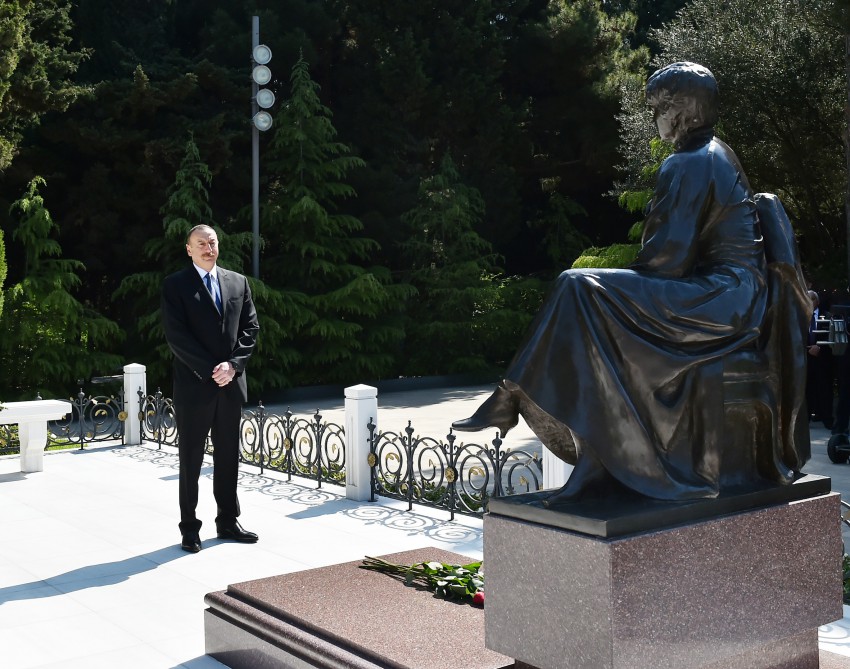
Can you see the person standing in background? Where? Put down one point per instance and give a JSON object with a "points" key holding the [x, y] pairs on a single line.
{"points": [[211, 327], [820, 377]]}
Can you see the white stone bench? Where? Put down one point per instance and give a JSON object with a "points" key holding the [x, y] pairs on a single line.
{"points": [[31, 418]]}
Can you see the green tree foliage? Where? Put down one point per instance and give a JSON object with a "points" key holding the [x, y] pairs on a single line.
{"points": [[344, 324], [3, 270], [50, 339], [37, 62], [614, 256], [417, 80], [187, 205], [562, 242], [581, 59], [462, 304], [780, 67], [649, 13], [523, 95]]}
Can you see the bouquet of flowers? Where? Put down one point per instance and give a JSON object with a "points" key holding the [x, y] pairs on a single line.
{"points": [[464, 582]]}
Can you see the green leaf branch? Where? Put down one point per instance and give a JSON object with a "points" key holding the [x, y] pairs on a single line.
{"points": [[464, 582]]}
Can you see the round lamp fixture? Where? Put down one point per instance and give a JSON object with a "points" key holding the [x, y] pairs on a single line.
{"points": [[262, 121], [265, 98], [262, 75], [261, 54]]}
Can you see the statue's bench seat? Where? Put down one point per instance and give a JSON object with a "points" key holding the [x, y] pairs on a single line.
{"points": [[31, 418]]}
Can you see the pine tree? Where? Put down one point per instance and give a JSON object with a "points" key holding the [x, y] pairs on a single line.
{"points": [[346, 326], [50, 339], [187, 205], [36, 66], [461, 298], [2, 270]]}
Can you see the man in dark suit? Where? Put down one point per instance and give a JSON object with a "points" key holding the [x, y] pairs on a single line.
{"points": [[211, 327]]}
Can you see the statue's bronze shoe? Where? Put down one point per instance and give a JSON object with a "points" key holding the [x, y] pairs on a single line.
{"points": [[500, 410]]}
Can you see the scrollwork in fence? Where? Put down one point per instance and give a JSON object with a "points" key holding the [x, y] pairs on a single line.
{"points": [[156, 418], [92, 418], [459, 478], [312, 448]]}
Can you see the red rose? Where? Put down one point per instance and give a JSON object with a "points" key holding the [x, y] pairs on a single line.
{"points": [[478, 598]]}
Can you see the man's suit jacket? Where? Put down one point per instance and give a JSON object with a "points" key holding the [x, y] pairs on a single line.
{"points": [[201, 338]]}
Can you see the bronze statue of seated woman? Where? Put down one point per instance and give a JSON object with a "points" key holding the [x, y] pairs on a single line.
{"points": [[629, 373]]}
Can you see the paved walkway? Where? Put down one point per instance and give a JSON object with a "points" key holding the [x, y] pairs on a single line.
{"points": [[91, 575]]}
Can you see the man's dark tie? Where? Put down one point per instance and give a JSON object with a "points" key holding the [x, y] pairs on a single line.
{"points": [[215, 295], [812, 327]]}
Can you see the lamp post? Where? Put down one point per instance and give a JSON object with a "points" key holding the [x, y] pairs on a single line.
{"points": [[261, 120]]}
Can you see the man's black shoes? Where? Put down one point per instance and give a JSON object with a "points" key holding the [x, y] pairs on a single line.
{"points": [[191, 543], [234, 532]]}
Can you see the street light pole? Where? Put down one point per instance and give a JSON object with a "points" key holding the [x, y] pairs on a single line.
{"points": [[261, 120], [255, 154]]}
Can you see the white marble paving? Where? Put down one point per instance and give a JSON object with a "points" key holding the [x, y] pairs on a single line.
{"points": [[91, 574]]}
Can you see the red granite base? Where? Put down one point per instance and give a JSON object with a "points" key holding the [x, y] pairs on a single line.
{"points": [[346, 617], [827, 661], [742, 591]]}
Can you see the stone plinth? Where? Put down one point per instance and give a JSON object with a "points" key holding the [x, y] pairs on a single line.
{"points": [[346, 617], [741, 591]]}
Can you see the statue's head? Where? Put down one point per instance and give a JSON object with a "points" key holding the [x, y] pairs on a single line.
{"points": [[683, 97]]}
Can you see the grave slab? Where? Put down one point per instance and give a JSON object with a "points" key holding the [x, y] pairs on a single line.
{"points": [[343, 616]]}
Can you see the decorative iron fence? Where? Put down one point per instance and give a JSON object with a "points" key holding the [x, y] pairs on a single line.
{"points": [[313, 449], [459, 478], [92, 418], [156, 419]]}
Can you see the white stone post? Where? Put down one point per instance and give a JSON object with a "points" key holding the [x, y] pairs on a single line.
{"points": [[134, 379], [361, 405], [555, 471]]}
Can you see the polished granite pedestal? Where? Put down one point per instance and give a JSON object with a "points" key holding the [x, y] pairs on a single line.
{"points": [[345, 617], [744, 590]]}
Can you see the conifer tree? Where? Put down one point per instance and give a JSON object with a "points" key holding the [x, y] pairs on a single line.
{"points": [[36, 66], [461, 299], [50, 339], [187, 205], [2, 270], [346, 326]]}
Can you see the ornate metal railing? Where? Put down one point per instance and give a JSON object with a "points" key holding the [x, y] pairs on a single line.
{"points": [[156, 419], [459, 478], [312, 448], [91, 419]]}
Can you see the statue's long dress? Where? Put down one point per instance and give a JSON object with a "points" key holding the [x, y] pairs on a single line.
{"points": [[626, 364]]}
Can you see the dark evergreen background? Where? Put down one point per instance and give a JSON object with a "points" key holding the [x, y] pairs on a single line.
{"points": [[431, 167]]}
